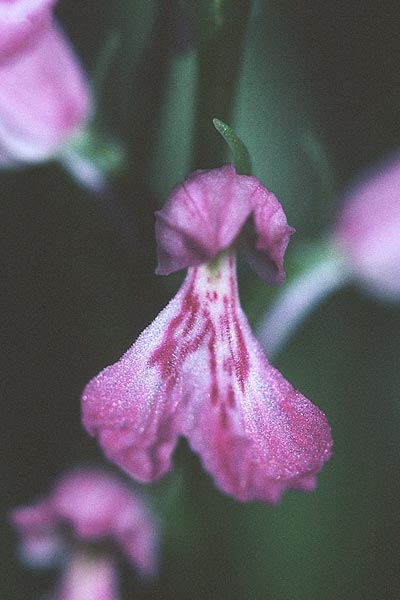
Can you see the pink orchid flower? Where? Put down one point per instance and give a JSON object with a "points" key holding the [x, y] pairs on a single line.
{"points": [[368, 230], [197, 371], [44, 94], [363, 247], [74, 526]]}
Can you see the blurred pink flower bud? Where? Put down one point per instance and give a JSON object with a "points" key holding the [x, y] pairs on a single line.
{"points": [[44, 94], [368, 230], [197, 370], [21, 24], [364, 246], [88, 508]]}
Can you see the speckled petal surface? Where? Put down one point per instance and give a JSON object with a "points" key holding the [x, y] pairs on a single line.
{"points": [[198, 371], [132, 406]]}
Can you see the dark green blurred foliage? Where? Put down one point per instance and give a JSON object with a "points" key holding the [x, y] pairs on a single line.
{"points": [[317, 100]]}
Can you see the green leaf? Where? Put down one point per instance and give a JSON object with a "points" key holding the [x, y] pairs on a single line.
{"points": [[240, 153]]}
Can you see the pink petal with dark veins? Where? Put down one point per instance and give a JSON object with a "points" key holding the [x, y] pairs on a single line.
{"points": [[197, 371]]}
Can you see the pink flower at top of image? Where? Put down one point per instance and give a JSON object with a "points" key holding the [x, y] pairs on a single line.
{"points": [[197, 371], [44, 93], [368, 229], [79, 525]]}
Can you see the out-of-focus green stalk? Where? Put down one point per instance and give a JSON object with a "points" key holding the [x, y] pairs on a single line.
{"points": [[219, 29]]}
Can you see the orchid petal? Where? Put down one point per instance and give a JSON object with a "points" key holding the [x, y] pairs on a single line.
{"points": [[21, 23], [88, 577], [41, 543], [44, 98], [204, 215], [266, 237], [94, 506], [132, 405], [197, 371], [368, 229]]}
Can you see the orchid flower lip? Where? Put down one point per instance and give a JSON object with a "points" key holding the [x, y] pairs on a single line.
{"points": [[198, 372]]}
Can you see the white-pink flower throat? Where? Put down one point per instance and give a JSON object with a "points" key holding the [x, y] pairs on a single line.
{"points": [[208, 323], [197, 370]]}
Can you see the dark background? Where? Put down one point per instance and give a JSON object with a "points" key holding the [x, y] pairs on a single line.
{"points": [[75, 293]]}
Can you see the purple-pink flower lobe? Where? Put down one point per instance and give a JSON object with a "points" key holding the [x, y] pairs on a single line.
{"points": [[197, 371]]}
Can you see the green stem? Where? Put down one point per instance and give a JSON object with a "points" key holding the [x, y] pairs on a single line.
{"points": [[219, 54]]}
